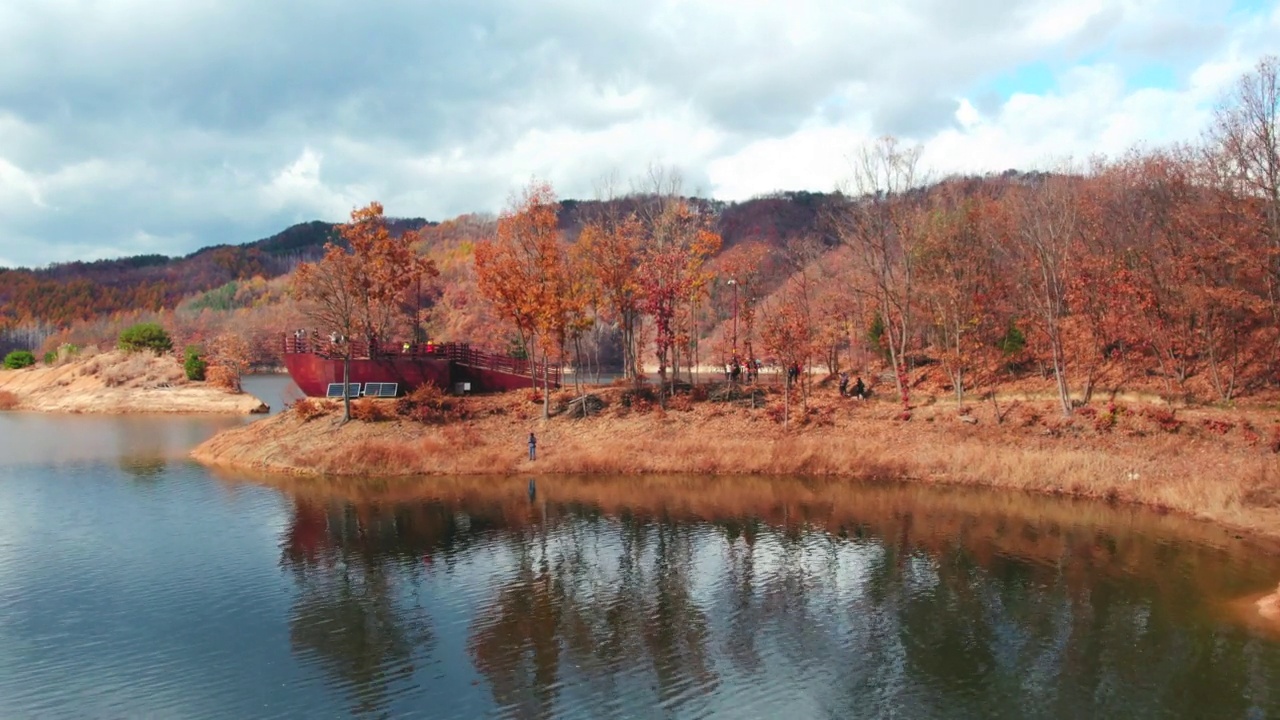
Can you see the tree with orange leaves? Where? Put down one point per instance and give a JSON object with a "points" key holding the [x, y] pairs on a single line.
{"points": [[787, 333], [679, 242], [524, 271], [755, 262], [955, 275], [230, 356], [610, 248], [357, 287]]}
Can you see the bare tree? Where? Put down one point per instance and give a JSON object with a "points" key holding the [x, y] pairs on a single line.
{"points": [[1042, 249], [1245, 131], [877, 224]]}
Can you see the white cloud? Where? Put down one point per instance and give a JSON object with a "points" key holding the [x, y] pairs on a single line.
{"points": [[297, 182], [17, 188], [124, 126]]}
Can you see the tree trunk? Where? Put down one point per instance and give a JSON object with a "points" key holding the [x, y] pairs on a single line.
{"points": [[577, 366], [546, 388], [804, 388], [346, 383], [786, 401], [1060, 374]]}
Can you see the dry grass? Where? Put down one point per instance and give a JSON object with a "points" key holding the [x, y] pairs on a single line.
{"points": [[66, 353], [134, 370], [428, 404], [223, 378], [370, 410], [1204, 463], [8, 400], [309, 408], [125, 369]]}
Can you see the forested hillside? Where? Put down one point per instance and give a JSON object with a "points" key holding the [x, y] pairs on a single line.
{"points": [[36, 303], [87, 301]]}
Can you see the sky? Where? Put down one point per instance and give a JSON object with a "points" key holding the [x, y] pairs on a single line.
{"points": [[152, 126]]}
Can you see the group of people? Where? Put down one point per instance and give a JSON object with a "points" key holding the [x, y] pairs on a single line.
{"points": [[733, 371], [859, 389], [303, 339]]}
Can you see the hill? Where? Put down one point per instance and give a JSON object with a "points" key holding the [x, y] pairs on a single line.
{"points": [[36, 302]]}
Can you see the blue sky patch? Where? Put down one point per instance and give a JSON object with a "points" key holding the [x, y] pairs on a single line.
{"points": [[1036, 78]]}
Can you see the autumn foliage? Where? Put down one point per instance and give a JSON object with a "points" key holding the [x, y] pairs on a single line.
{"points": [[429, 405], [358, 289], [623, 267], [1156, 270]]}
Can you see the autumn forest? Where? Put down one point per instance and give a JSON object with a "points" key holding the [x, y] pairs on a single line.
{"points": [[1157, 271]]}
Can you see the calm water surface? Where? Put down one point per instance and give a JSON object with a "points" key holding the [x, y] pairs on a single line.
{"points": [[134, 583]]}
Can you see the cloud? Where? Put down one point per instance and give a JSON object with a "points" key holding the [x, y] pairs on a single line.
{"points": [[138, 124]]}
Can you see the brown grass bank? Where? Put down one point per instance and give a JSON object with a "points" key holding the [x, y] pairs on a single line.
{"points": [[1216, 465], [116, 382]]}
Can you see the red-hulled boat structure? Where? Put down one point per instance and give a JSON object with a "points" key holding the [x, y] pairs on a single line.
{"points": [[315, 364]]}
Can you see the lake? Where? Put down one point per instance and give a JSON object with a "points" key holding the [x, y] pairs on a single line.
{"points": [[135, 583]]}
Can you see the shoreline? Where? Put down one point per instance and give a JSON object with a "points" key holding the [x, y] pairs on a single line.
{"points": [[118, 383], [1229, 477]]}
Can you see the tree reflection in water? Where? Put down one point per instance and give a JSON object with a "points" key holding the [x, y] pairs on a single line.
{"points": [[353, 616], [802, 599]]}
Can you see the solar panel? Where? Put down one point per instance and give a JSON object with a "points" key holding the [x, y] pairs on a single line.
{"points": [[335, 390], [380, 389]]}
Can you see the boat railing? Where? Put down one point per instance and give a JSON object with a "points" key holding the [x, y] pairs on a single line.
{"points": [[461, 353]]}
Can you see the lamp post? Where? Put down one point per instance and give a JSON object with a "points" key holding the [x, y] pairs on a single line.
{"points": [[734, 283]]}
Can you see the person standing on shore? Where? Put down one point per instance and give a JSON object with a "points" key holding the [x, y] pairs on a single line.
{"points": [[533, 447]]}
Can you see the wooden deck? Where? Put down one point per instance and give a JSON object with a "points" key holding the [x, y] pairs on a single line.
{"points": [[314, 362]]}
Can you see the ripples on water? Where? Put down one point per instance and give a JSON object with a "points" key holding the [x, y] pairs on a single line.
{"points": [[133, 584]]}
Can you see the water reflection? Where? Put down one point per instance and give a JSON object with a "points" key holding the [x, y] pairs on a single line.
{"points": [[148, 468], [353, 616], [600, 598]]}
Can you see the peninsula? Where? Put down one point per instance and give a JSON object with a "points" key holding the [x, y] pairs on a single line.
{"points": [[117, 382]]}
